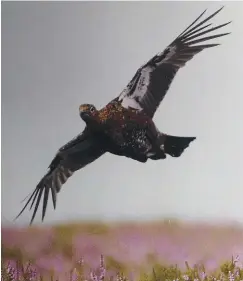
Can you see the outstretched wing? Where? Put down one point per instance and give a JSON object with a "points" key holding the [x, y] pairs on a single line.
{"points": [[150, 83], [76, 154]]}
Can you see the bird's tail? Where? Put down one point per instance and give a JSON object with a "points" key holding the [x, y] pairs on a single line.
{"points": [[174, 146]]}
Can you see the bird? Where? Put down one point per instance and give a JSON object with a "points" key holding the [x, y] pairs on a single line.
{"points": [[125, 126]]}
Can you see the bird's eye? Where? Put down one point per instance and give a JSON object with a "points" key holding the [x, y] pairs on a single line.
{"points": [[92, 109]]}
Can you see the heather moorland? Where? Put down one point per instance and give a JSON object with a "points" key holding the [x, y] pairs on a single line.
{"points": [[133, 251]]}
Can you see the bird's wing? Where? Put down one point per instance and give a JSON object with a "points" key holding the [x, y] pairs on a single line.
{"points": [[76, 154], [150, 83]]}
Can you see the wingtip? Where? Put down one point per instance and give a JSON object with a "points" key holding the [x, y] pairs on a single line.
{"points": [[15, 218], [228, 23], [31, 221], [220, 9], [227, 33], [192, 26], [18, 215], [204, 11], [42, 218]]}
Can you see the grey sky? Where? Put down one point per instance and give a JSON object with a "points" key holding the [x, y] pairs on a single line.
{"points": [[56, 56]]}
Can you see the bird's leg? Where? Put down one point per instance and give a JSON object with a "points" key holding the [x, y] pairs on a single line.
{"points": [[158, 155], [157, 149]]}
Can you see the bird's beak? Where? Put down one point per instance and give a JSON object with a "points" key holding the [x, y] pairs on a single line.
{"points": [[83, 114]]}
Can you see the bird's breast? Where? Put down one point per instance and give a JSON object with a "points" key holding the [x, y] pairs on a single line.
{"points": [[115, 114]]}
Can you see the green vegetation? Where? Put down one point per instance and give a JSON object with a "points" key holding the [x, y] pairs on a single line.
{"points": [[229, 271], [52, 253]]}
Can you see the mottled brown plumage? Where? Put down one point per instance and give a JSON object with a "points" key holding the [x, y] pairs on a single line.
{"points": [[124, 126]]}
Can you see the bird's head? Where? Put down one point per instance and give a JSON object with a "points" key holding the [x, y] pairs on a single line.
{"points": [[88, 112]]}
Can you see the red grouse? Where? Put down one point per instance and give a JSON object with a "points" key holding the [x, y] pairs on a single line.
{"points": [[125, 126]]}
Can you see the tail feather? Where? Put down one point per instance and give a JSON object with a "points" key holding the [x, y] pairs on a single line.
{"points": [[174, 146]]}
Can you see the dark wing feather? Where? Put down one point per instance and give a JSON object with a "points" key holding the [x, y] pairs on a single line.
{"points": [[150, 83], [76, 154]]}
